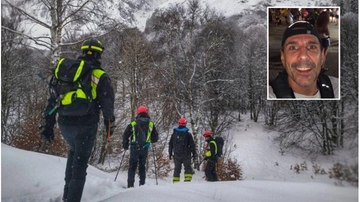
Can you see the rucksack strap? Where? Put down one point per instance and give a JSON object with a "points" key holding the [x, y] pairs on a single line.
{"points": [[325, 86], [281, 86], [214, 142], [151, 126], [63, 67], [282, 89], [208, 152]]}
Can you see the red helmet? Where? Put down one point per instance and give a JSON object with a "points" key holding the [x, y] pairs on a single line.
{"points": [[182, 122], [142, 109], [207, 133]]}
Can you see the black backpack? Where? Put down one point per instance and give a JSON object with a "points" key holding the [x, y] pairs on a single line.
{"points": [[180, 145], [220, 144], [140, 130], [71, 84]]}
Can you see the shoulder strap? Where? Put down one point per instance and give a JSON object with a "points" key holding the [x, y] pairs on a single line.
{"points": [[214, 142], [133, 123], [325, 86], [281, 86], [148, 135], [151, 126], [71, 70], [282, 89]]}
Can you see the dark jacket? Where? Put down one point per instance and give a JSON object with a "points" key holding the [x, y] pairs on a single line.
{"points": [[104, 101], [282, 89], [128, 133], [190, 145]]}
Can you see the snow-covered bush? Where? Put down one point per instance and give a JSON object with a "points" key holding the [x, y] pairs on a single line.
{"points": [[347, 173]]}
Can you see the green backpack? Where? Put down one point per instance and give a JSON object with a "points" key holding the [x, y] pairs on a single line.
{"points": [[71, 85]]}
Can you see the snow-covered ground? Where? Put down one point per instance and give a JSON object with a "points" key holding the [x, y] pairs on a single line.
{"points": [[30, 176]]}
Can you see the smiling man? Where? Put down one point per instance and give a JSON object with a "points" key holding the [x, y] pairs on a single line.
{"points": [[302, 56]]}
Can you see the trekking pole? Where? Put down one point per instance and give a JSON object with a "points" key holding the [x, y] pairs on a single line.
{"points": [[120, 165], [198, 168], [153, 150]]}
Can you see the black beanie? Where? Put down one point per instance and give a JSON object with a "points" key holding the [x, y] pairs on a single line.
{"points": [[300, 27]]}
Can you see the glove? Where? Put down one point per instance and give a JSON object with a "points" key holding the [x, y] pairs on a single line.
{"points": [[126, 146], [147, 145], [170, 157], [112, 126], [47, 133]]}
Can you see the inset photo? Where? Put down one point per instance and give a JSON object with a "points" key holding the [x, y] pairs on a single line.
{"points": [[303, 53]]}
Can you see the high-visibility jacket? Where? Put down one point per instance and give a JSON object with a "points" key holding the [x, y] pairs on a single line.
{"points": [[208, 153]]}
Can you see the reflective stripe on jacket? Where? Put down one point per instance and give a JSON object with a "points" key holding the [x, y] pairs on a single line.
{"points": [[95, 78]]}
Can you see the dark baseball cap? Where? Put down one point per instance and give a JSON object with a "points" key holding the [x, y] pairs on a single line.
{"points": [[300, 27]]}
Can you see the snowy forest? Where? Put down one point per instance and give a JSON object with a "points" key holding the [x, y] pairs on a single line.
{"points": [[190, 61]]}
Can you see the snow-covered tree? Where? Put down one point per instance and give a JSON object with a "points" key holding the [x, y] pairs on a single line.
{"points": [[59, 17]]}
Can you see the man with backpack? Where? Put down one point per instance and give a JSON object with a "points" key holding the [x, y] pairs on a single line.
{"points": [[140, 133], [78, 89], [210, 157], [182, 148]]}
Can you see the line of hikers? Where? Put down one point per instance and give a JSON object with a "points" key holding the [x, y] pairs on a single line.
{"points": [[142, 132], [78, 90]]}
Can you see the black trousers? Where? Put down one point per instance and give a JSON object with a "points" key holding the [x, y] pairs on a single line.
{"points": [[210, 170], [80, 139], [137, 156], [180, 160]]}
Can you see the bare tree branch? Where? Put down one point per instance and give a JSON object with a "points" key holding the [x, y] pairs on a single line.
{"points": [[27, 15], [36, 40]]}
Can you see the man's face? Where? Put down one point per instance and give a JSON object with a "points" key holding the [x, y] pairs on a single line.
{"points": [[302, 58]]}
